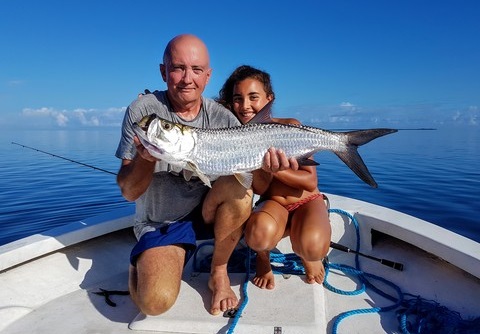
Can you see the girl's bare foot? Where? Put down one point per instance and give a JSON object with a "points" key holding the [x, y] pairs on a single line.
{"points": [[314, 271], [264, 278]]}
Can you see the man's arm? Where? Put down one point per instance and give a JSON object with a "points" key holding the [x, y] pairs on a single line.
{"points": [[135, 175]]}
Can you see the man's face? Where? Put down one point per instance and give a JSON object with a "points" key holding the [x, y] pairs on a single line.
{"points": [[187, 72]]}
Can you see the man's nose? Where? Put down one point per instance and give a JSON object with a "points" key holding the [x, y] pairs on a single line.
{"points": [[187, 75]]}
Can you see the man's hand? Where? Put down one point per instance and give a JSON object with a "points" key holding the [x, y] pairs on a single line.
{"points": [[145, 92], [276, 160], [142, 151]]}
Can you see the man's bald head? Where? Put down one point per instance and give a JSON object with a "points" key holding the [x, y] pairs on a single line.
{"points": [[186, 41]]}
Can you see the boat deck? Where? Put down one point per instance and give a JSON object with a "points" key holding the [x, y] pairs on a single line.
{"points": [[55, 292]]}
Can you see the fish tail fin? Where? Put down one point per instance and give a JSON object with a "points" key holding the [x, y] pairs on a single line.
{"points": [[361, 137], [351, 157]]}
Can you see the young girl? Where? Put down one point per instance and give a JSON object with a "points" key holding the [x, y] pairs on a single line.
{"points": [[290, 202]]}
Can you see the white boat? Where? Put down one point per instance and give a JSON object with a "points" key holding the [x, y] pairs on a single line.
{"points": [[49, 282]]}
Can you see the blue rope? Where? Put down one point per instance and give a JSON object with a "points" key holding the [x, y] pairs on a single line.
{"points": [[290, 263], [418, 315], [363, 278], [344, 269], [357, 232], [244, 303], [415, 315]]}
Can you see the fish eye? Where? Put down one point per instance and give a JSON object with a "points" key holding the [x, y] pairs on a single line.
{"points": [[167, 126]]}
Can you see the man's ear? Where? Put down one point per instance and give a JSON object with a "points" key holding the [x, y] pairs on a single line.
{"points": [[209, 74], [163, 72]]}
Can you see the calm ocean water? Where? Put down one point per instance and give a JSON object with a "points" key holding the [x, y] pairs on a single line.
{"points": [[431, 174]]}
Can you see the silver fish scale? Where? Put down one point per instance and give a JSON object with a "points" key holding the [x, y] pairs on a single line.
{"points": [[241, 149]]}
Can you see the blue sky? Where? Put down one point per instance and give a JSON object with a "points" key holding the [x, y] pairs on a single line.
{"points": [[334, 64]]}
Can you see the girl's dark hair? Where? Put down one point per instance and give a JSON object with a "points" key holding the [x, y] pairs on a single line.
{"points": [[239, 74]]}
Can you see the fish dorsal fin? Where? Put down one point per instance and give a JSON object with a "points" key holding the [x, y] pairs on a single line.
{"points": [[200, 175], [264, 115], [245, 179]]}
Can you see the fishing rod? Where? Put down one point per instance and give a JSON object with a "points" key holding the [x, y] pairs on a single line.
{"points": [[388, 263], [67, 159]]}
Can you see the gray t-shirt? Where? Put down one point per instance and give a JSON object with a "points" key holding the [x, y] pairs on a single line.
{"points": [[169, 196]]}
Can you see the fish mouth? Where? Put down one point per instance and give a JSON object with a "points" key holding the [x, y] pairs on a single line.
{"points": [[153, 150], [140, 132]]}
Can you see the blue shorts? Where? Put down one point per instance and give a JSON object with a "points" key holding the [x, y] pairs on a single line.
{"points": [[184, 233]]}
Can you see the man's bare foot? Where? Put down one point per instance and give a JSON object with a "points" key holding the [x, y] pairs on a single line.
{"points": [[264, 277], [223, 297], [314, 271]]}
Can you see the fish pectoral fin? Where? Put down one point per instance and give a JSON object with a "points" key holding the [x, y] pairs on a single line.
{"points": [[245, 179], [205, 179], [200, 175], [302, 161], [187, 174]]}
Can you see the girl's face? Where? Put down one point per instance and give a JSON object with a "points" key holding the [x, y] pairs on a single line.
{"points": [[249, 97]]}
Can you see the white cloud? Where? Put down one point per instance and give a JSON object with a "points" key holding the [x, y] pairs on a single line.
{"points": [[473, 114], [46, 116], [349, 115], [62, 120], [37, 112], [343, 115], [467, 116], [456, 116], [347, 105]]}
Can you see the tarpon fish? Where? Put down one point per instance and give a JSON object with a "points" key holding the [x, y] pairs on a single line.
{"points": [[210, 153]]}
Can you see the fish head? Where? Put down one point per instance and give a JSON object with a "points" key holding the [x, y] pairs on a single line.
{"points": [[165, 140], [145, 121]]}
